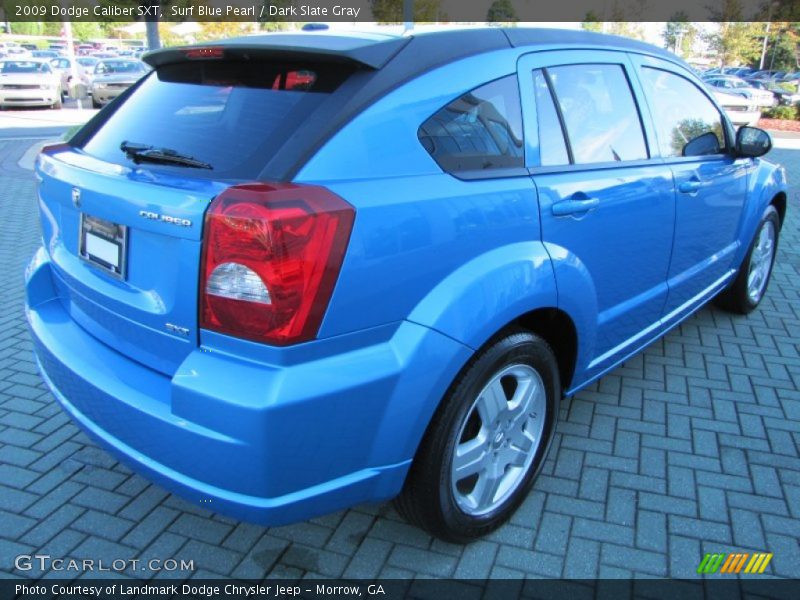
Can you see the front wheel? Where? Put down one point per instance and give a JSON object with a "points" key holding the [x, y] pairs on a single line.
{"points": [[747, 290], [487, 441]]}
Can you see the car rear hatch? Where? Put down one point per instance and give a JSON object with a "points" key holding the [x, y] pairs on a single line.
{"points": [[124, 228]]}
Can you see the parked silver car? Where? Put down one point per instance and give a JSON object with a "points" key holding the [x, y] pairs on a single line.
{"points": [[112, 76], [29, 82], [740, 110], [735, 85]]}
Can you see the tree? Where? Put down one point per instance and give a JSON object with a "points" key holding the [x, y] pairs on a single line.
{"points": [[391, 11], [736, 43], [86, 30], [783, 46], [216, 30], [25, 28], [591, 22], [502, 11], [679, 34]]}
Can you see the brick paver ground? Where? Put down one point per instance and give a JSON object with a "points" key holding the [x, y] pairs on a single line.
{"points": [[691, 447]]}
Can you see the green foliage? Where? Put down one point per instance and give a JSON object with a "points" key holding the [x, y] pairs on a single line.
{"points": [[783, 51], [27, 28], [736, 42], [680, 35], [791, 113], [502, 11], [85, 31], [591, 22], [391, 11], [626, 29]]}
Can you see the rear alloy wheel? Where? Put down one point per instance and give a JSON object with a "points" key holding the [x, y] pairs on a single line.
{"points": [[486, 442], [747, 290]]}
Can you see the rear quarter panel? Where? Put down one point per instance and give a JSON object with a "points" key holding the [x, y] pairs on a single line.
{"points": [[765, 181], [462, 257]]}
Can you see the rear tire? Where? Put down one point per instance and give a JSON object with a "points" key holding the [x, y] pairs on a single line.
{"points": [[474, 466], [748, 289], [96, 104]]}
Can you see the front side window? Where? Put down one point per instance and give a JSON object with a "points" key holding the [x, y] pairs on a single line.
{"points": [[687, 123], [481, 130], [600, 114]]}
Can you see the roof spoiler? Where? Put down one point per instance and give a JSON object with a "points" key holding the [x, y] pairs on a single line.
{"points": [[363, 52]]}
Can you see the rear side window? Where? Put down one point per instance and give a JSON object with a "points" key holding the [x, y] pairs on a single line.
{"points": [[481, 130], [685, 117], [600, 114], [231, 114]]}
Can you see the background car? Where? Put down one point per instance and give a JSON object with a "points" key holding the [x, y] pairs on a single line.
{"points": [[735, 85], [740, 110], [792, 78], [44, 54], [781, 94], [63, 66], [111, 77], [29, 82]]}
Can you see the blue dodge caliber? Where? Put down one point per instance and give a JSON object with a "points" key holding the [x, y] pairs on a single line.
{"points": [[292, 273]]}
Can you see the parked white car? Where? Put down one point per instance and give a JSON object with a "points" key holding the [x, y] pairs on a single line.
{"points": [[29, 82], [735, 85], [740, 110], [113, 76]]}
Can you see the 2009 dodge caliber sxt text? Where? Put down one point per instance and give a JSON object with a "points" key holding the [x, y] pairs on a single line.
{"points": [[293, 273]]}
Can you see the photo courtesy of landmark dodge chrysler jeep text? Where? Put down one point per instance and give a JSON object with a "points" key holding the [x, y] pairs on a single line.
{"points": [[291, 273]]}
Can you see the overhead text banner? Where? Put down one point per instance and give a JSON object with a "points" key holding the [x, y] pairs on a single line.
{"points": [[475, 11]]}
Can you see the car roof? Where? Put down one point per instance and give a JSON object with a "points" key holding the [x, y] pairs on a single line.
{"points": [[381, 61], [425, 47]]}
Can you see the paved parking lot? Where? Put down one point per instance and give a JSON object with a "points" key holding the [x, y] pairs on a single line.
{"points": [[689, 448]]}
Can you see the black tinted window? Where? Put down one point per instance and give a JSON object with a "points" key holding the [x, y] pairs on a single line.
{"points": [[682, 114], [481, 130], [232, 115], [599, 113], [552, 148]]}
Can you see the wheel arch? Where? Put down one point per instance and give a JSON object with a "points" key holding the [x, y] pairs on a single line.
{"points": [[558, 329], [779, 202]]}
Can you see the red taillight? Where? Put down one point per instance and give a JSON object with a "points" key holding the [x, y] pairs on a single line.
{"points": [[271, 256]]}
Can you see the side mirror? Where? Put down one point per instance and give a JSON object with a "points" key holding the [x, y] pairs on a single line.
{"points": [[752, 142], [703, 145]]}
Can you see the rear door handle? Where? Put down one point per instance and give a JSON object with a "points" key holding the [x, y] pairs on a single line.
{"points": [[689, 187], [572, 207]]}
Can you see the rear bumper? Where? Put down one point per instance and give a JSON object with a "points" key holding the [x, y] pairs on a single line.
{"points": [[268, 443]]}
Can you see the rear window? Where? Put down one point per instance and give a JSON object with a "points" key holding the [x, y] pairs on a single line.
{"points": [[481, 130], [231, 114]]}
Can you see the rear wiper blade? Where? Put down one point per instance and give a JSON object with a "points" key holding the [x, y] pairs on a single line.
{"points": [[144, 153]]}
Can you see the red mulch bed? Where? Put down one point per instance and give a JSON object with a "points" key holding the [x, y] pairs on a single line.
{"points": [[779, 124]]}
